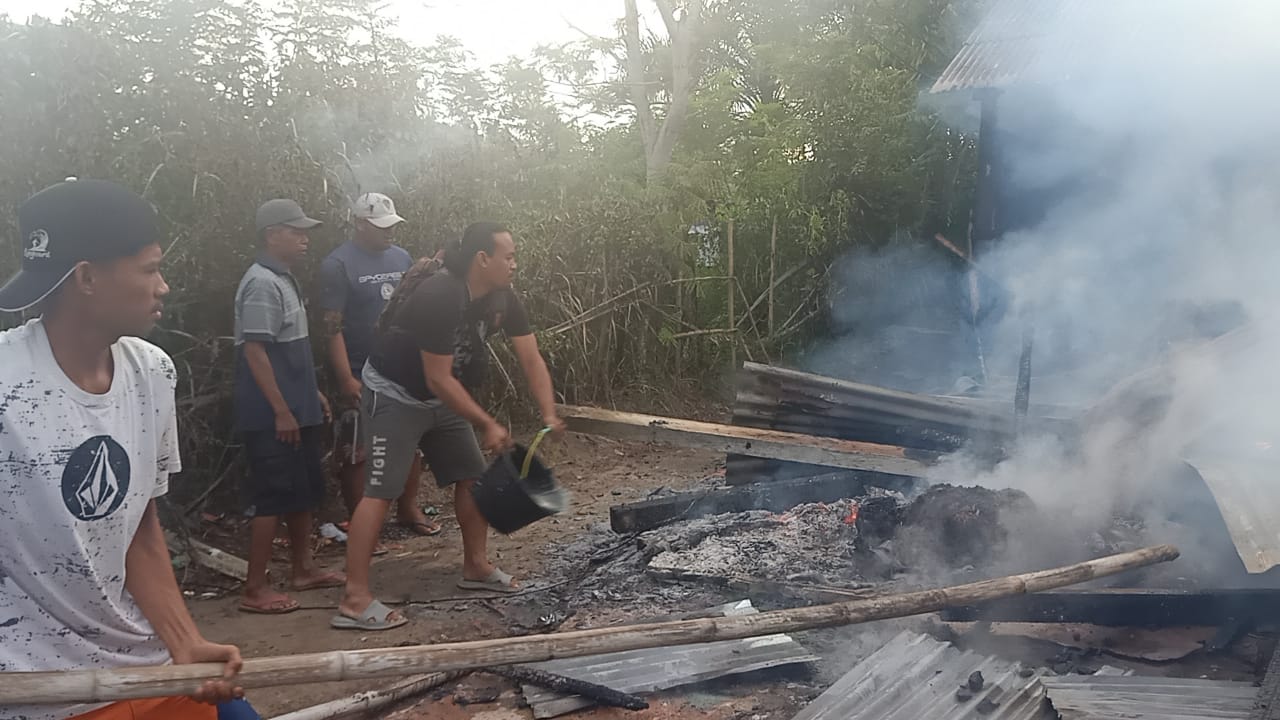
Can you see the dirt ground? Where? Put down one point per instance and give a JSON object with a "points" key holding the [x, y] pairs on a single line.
{"points": [[598, 472], [419, 574]]}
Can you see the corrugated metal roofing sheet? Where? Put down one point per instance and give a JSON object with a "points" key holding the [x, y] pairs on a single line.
{"points": [[1048, 41], [1247, 494], [1148, 698], [642, 671], [914, 677]]}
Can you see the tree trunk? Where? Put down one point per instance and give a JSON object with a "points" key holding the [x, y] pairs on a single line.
{"points": [[660, 138]]}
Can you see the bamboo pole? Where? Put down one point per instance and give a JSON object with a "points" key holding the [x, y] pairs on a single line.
{"points": [[340, 665], [733, 287], [370, 700], [773, 267]]}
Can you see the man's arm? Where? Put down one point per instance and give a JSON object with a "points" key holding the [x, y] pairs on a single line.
{"points": [[255, 354], [348, 384], [539, 379], [334, 291], [150, 580], [438, 370]]}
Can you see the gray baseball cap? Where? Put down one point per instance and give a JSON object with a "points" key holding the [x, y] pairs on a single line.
{"points": [[282, 211]]}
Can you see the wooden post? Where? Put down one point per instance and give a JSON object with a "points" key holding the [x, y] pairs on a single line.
{"points": [[85, 686], [773, 268], [733, 288]]}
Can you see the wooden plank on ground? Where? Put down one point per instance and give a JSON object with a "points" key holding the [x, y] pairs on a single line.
{"points": [[774, 497], [210, 557], [715, 437]]}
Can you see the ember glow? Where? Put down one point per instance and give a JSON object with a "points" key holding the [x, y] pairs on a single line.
{"points": [[852, 517]]}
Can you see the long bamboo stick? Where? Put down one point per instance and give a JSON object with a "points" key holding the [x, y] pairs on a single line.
{"points": [[340, 665]]}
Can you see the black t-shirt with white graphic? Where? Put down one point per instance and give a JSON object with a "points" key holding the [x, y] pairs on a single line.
{"points": [[440, 318]]}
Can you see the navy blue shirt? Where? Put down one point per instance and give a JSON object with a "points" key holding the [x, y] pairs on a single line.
{"points": [[358, 283], [269, 310]]}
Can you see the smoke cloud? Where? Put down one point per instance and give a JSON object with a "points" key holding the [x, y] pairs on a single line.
{"points": [[1143, 198]]}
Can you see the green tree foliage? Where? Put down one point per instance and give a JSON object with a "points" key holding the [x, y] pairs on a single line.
{"points": [[801, 115]]}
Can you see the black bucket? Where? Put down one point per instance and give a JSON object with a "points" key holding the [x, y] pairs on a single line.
{"points": [[510, 503]]}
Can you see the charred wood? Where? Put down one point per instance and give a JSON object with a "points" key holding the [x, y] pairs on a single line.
{"points": [[570, 686]]}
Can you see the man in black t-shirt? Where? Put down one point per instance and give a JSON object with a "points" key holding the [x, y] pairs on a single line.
{"points": [[429, 357]]}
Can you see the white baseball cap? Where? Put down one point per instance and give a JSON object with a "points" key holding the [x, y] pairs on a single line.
{"points": [[377, 209]]}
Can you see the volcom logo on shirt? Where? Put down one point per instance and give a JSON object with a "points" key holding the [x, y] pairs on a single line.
{"points": [[96, 478], [387, 290]]}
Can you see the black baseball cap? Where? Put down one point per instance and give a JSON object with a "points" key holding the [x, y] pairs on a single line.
{"points": [[73, 222]]}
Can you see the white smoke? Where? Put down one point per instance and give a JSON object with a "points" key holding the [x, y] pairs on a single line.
{"points": [[1151, 131]]}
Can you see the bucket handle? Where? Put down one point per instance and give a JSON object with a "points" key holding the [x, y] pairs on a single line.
{"points": [[528, 455]]}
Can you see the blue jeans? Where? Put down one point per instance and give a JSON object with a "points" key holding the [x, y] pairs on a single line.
{"points": [[237, 710]]}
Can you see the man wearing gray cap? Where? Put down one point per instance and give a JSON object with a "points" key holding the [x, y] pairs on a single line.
{"points": [[279, 408]]}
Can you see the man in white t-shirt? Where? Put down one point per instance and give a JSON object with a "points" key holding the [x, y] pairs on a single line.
{"points": [[88, 440]]}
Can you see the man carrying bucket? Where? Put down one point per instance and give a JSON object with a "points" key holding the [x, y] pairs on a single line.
{"points": [[429, 357]]}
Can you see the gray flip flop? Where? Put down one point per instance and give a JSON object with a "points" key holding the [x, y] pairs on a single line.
{"points": [[374, 617], [497, 581]]}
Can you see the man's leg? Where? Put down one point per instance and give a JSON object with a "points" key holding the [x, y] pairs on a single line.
{"points": [[452, 451], [309, 492], [349, 458], [475, 534], [390, 439], [352, 480], [366, 524], [266, 486], [258, 593], [409, 513]]}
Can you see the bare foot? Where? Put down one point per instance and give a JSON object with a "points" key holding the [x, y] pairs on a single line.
{"points": [[417, 521], [317, 578], [267, 602]]}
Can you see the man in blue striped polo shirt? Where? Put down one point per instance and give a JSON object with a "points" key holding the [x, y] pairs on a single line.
{"points": [[279, 408]]}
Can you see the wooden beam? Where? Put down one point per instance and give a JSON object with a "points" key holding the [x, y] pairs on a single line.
{"points": [[1128, 608], [774, 497], [106, 685], [794, 447]]}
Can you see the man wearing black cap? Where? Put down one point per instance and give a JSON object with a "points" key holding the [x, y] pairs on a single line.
{"points": [[88, 437], [279, 408]]}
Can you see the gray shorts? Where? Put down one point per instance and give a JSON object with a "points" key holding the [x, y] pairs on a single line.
{"points": [[393, 431]]}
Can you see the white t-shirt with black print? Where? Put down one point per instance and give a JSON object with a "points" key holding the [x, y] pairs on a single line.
{"points": [[77, 471]]}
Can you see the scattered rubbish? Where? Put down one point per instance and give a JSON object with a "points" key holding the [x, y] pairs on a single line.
{"points": [[975, 681], [329, 531]]}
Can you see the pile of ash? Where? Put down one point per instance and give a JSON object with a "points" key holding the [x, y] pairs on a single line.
{"points": [[812, 543], [942, 533]]}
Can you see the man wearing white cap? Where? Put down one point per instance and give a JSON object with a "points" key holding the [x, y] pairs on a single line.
{"points": [[357, 278]]}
